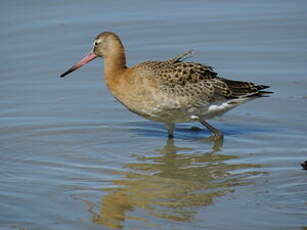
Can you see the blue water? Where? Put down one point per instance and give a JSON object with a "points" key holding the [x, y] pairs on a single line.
{"points": [[73, 158]]}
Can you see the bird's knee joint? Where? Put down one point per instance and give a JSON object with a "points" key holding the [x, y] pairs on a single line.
{"points": [[194, 117]]}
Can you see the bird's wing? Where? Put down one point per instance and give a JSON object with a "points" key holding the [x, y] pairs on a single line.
{"points": [[198, 83]]}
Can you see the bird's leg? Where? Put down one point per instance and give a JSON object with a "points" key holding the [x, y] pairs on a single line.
{"points": [[170, 129], [215, 131]]}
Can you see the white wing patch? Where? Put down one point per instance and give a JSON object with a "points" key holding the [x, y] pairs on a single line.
{"points": [[218, 109]]}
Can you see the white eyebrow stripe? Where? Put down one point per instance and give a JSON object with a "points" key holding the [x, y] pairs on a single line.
{"points": [[96, 42]]}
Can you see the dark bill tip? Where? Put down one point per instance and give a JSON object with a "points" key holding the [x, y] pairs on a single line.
{"points": [[68, 72], [91, 56]]}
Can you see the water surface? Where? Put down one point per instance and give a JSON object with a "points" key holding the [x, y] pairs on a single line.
{"points": [[73, 158]]}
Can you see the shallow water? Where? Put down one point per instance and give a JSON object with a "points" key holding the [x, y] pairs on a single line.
{"points": [[73, 158]]}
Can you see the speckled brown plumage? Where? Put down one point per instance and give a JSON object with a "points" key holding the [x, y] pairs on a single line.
{"points": [[169, 91], [198, 82]]}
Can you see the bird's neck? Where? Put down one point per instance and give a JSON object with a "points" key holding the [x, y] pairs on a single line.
{"points": [[115, 61], [115, 67]]}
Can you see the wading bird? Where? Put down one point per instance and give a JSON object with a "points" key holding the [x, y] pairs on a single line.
{"points": [[170, 91]]}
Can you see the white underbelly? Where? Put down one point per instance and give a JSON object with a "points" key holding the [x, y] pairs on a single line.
{"points": [[191, 114]]}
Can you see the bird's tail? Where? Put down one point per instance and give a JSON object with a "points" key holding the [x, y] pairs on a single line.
{"points": [[246, 89]]}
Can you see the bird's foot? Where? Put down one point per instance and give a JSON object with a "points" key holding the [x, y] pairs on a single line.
{"points": [[196, 129]]}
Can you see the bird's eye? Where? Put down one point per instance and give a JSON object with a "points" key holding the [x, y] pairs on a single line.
{"points": [[96, 43]]}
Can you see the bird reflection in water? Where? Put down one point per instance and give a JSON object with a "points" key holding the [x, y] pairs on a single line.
{"points": [[170, 184]]}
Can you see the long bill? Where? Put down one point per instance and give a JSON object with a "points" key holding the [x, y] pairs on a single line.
{"points": [[91, 56]]}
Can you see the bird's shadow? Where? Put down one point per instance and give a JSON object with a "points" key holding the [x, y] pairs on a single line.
{"points": [[190, 131]]}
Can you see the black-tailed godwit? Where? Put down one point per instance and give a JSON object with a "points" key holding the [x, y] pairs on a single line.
{"points": [[171, 91]]}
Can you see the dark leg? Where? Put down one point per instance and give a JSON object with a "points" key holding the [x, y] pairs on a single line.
{"points": [[215, 131], [170, 129]]}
